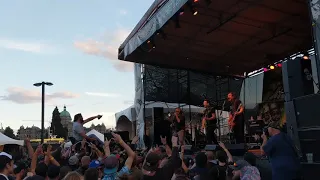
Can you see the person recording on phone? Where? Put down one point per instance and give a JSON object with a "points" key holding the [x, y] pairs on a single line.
{"points": [[178, 124], [282, 152], [78, 131]]}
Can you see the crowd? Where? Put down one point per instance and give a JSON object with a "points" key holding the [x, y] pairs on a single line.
{"points": [[117, 159]]}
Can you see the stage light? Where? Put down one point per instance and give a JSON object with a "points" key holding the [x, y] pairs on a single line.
{"points": [[271, 67], [194, 12], [192, 8], [279, 65], [195, 1], [148, 41], [305, 56], [265, 69]]}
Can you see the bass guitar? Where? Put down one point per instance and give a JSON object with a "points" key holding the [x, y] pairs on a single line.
{"points": [[232, 117]]}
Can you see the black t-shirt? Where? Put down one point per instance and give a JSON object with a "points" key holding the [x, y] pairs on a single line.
{"points": [[208, 113], [220, 172], [181, 125]]}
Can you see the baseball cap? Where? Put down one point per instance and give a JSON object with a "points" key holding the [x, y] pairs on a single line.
{"points": [[152, 161], [110, 164], [73, 160], [239, 165], [95, 164], [6, 154]]}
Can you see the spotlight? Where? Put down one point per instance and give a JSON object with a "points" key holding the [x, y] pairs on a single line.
{"points": [[181, 12], [192, 8], [305, 56], [195, 1], [279, 65], [160, 32], [271, 67], [194, 12]]}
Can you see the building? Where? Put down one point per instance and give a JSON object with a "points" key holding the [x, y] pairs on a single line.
{"points": [[30, 132], [66, 120]]}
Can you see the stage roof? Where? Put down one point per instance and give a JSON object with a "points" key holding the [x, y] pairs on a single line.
{"points": [[226, 37]]}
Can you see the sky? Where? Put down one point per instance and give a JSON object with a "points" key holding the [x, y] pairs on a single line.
{"points": [[72, 44]]}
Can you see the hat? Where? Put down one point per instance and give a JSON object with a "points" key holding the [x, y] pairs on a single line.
{"points": [[275, 125], [151, 163], [95, 164], [110, 164], [73, 160], [240, 164], [6, 154]]}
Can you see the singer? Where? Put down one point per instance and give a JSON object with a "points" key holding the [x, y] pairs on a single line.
{"points": [[209, 123], [178, 124]]}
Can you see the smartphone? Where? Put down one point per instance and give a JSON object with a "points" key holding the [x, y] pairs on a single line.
{"points": [[108, 136], [44, 147]]}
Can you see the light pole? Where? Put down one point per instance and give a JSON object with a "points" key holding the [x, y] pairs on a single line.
{"points": [[42, 84]]}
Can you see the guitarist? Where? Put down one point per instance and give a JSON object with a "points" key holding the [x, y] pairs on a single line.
{"points": [[178, 124], [236, 114], [209, 123]]}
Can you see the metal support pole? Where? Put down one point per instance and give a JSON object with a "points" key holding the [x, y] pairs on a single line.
{"points": [[42, 111]]}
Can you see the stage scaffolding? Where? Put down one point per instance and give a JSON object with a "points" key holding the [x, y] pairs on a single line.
{"points": [[188, 88]]}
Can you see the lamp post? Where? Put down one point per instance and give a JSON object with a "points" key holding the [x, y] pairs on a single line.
{"points": [[42, 84]]}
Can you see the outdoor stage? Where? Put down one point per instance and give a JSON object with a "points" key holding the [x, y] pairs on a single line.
{"points": [[228, 40]]}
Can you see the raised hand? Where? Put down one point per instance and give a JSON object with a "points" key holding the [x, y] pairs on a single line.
{"points": [[116, 137], [163, 140]]}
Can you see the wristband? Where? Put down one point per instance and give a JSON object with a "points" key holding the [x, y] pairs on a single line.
{"points": [[51, 158], [120, 142]]}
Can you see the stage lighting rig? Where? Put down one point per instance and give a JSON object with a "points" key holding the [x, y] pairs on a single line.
{"points": [[192, 8]]}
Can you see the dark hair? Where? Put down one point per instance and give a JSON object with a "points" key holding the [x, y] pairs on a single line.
{"points": [[207, 100], [4, 161], [41, 170], [222, 156], [201, 160], [91, 174], [76, 117], [53, 171], [233, 94], [64, 170]]}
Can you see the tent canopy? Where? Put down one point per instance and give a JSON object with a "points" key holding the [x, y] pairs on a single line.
{"points": [[7, 140], [225, 37]]}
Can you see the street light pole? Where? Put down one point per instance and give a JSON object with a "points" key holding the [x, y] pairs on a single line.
{"points": [[42, 84]]}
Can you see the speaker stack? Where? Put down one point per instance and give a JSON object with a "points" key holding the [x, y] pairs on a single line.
{"points": [[302, 111]]}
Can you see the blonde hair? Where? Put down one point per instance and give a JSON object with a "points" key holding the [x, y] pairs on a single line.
{"points": [[73, 176]]}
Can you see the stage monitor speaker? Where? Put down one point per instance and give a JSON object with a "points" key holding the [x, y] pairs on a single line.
{"points": [[161, 126], [210, 147], [236, 149], [297, 78]]}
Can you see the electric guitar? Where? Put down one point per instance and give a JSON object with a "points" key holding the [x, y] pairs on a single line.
{"points": [[232, 117]]}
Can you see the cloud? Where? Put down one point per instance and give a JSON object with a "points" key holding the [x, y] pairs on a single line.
{"points": [[32, 47], [107, 49], [24, 96], [123, 12], [102, 94]]}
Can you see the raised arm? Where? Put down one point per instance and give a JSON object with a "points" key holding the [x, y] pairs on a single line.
{"points": [[126, 147], [230, 158], [91, 118]]}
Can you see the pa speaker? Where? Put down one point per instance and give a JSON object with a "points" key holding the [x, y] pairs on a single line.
{"points": [[161, 126], [297, 78]]}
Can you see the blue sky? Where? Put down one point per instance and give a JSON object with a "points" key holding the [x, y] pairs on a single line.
{"points": [[72, 44]]}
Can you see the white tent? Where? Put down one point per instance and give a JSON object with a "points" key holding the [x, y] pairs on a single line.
{"points": [[96, 133], [6, 140]]}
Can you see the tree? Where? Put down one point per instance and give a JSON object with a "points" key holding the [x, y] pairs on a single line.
{"points": [[9, 132], [56, 125]]}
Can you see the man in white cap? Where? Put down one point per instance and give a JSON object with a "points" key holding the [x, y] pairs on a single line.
{"points": [[6, 165]]}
